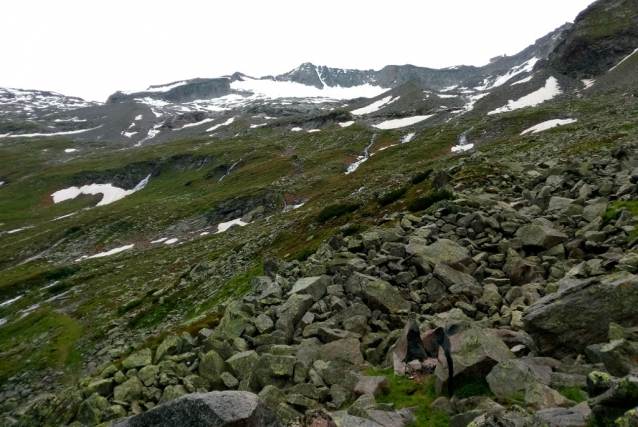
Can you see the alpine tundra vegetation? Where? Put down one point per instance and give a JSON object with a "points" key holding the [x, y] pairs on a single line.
{"points": [[329, 247]]}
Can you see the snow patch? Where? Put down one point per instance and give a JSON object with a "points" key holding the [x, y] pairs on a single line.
{"points": [[107, 253], [109, 193], [399, 123], [526, 67], [375, 106], [447, 96], [549, 91], [226, 123], [346, 124], [314, 130], [128, 134], [70, 150], [465, 147], [160, 240], [408, 137], [296, 129], [138, 117], [548, 125], [257, 126], [223, 226], [588, 83], [525, 80], [170, 241]]}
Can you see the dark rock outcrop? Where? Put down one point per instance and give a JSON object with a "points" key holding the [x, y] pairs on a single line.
{"points": [[215, 409]]}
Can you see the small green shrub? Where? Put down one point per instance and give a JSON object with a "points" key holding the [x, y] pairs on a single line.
{"points": [[423, 203], [352, 230], [420, 177], [239, 247], [469, 388], [392, 196], [305, 254], [572, 393], [334, 211]]}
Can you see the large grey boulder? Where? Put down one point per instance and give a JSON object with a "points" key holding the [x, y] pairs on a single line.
{"points": [[511, 376], [381, 295], [579, 314], [444, 252], [313, 286], [215, 409], [540, 236], [458, 282], [475, 352]]}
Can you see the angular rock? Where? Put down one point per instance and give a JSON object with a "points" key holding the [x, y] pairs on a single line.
{"points": [[474, 353], [172, 392], [211, 367], [444, 252], [381, 295], [539, 396], [171, 345], [242, 364], [541, 237], [129, 391], [457, 282], [313, 286], [138, 359], [372, 385], [579, 314], [215, 409], [620, 357]]}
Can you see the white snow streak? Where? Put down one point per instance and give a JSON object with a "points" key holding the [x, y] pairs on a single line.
{"points": [[346, 124], [314, 130], [226, 123], [549, 91], [626, 58], [548, 125], [108, 253], [160, 240], [31, 135], [11, 301], [399, 123], [70, 150], [272, 89], [588, 83], [296, 129]]}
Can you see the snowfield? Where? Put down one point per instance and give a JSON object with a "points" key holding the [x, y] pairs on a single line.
{"points": [[548, 125], [549, 91], [399, 123], [375, 106], [273, 89], [109, 193]]}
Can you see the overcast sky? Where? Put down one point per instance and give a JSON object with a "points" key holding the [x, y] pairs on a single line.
{"points": [[91, 48]]}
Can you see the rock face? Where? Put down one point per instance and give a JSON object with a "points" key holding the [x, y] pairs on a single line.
{"points": [[190, 91], [215, 409], [602, 35], [579, 314]]}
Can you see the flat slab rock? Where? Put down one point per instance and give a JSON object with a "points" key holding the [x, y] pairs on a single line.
{"points": [[215, 409]]}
